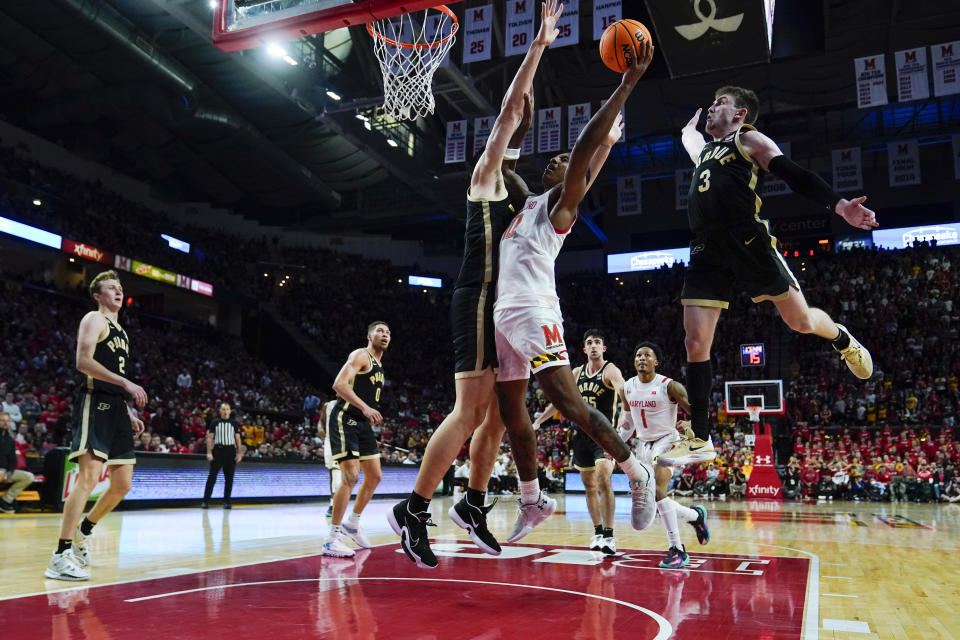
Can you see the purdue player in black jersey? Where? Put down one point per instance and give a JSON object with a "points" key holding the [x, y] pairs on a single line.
{"points": [[598, 382], [104, 428], [489, 212], [352, 442], [733, 244]]}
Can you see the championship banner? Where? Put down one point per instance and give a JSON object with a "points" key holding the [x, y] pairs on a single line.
{"points": [[568, 25], [86, 251], [904, 161], [772, 185], [520, 25], [912, 81], [478, 25], [871, 81], [455, 149], [847, 172], [528, 146], [628, 196], [548, 129], [683, 179], [605, 13], [578, 115], [946, 68], [481, 131], [433, 32], [956, 156]]}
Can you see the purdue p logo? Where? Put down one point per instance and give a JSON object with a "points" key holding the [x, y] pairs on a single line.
{"points": [[551, 335]]}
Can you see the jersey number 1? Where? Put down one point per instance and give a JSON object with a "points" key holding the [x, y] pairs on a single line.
{"points": [[643, 418]]}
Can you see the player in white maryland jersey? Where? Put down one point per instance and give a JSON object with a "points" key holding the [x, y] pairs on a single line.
{"points": [[650, 403]]}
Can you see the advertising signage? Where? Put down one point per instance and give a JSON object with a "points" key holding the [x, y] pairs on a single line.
{"points": [[646, 260], [152, 272], [903, 237], [86, 251]]}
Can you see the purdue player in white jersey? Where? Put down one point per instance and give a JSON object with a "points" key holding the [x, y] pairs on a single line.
{"points": [[527, 320], [650, 402], [332, 465]]}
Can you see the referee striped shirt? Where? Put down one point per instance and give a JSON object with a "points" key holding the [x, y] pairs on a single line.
{"points": [[223, 432]]}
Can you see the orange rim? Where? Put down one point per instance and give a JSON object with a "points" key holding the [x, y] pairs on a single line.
{"points": [[426, 45]]}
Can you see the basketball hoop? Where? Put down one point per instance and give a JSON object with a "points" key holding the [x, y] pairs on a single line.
{"points": [[410, 48], [754, 412]]}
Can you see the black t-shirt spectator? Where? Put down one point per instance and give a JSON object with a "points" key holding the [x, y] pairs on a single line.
{"points": [[223, 431]]}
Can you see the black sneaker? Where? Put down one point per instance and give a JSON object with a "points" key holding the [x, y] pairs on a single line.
{"points": [[204, 505], [227, 505], [412, 529], [474, 520], [700, 525], [7, 507]]}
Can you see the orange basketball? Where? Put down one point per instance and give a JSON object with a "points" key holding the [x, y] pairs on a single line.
{"points": [[620, 41]]}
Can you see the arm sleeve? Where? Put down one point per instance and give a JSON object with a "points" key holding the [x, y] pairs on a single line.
{"points": [[804, 182]]}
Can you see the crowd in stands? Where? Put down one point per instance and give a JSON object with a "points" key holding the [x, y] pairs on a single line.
{"points": [[898, 303]]}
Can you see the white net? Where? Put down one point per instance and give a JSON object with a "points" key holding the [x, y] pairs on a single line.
{"points": [[410, 48], [754, 413]]}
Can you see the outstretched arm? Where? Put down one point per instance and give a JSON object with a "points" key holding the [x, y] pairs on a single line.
{"points": [[805, 182], [603, 151], [517, 189], [487, 180], [577, 178], [692, 139]]}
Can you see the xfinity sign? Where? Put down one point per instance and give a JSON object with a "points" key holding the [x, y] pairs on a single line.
{"points": [[646, 260], [904, 237]]}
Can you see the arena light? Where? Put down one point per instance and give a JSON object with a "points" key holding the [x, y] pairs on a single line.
{"points": [[33, 234], [290, 61], [333, 95], [360, 116], [276, 50], [391, 142], [37, 202], [213, 4], [424, 281], [176, 243]]}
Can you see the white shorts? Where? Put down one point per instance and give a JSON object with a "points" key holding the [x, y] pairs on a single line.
{"points": [[649, 450], [529, 339]]}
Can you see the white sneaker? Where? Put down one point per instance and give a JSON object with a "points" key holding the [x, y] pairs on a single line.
{"points": [[609, 546], [686, 452], [81, 548], [530, 515], [335, 547], [596, 542], [644, 499], [858, 359], [357, 535], [64, 566]]}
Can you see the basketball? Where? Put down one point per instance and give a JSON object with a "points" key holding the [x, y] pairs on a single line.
{"points": [[619, 43]]}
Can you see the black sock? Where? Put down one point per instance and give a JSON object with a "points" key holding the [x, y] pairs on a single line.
{"points": [[417, 503], [63, 545], [699, 382], [86, 527], [608, 532], [476, 498], [842, 341], [598, 529]]}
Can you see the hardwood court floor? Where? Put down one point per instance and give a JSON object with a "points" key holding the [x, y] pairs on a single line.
{"points": [[828, 570]]}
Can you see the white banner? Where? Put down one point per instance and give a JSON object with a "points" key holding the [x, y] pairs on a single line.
{"points": [[871, 81], [903, 159], [847, 173], [956, 156], [912, 83], [628, 196], [772, 185], [568, 25], [946, 68], [578, 115], [456, 146], [548, 129], [529, 147], [683, 179], [520, 26], [623, 122], [476, 33], [481, 131], [605, 13]]}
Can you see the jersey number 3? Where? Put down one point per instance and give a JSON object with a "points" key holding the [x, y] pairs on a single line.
{"points": [[704, 181]]}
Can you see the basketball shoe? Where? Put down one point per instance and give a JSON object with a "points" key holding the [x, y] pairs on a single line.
{"points": [[644, 499], [609, 546], [412, 529], [333, 546], [356, 534], [64, 566], [675, 559], [81, 548], [474, 520], [688, 451], [530, 515], [858, 359], [700, 525], [596, 542]]}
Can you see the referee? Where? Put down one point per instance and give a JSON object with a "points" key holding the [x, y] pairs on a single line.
{"points": [[223, 452]]}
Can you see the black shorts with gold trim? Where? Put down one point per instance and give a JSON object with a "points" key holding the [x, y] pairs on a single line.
{"points": [[586, 452], [351, 436], [102, 426], [744, 253], [471, 323]]}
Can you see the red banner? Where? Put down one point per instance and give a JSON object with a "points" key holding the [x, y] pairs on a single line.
{"points": [[86, 251], [764, 482]]}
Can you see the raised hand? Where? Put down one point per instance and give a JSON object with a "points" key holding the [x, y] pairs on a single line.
{"points": [[616, 131], [637, 66], [550, 12], [694, 121], [856, 214]]}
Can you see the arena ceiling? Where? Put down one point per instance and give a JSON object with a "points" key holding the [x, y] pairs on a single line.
{"points": [[138, 85]]}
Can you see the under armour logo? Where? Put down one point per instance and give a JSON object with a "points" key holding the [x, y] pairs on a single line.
{"points": [[697, 29], [763, 460]]}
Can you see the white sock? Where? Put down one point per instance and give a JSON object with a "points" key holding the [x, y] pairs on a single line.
{"points": [[668, 516], [335, 478], [684, 513], [632, 469], [335, 531], [529, 491], [354, 518]]}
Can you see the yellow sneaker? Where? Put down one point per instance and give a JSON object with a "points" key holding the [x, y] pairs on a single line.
{"points": [[858, 359], [688, 451]]}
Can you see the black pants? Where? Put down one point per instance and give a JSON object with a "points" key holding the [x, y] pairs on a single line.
{"points": [[223, 458]]}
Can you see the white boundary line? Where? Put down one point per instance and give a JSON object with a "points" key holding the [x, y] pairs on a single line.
{"points": [[665, 628], [811, 610]]}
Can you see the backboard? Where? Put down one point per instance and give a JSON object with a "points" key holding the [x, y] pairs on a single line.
{"points": [[768, 394]]}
